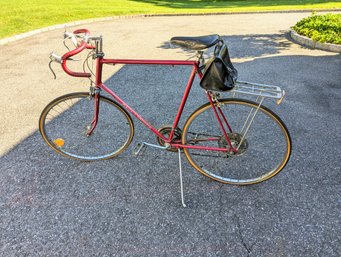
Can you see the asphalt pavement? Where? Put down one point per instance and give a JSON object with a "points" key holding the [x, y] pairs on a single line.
{"points": [[130, 206]]}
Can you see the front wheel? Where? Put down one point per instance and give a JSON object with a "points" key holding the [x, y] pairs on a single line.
{"points": [[65, 124], [263, 151]]}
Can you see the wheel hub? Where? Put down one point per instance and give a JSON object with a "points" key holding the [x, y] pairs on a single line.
{"points": [[235, 139]]}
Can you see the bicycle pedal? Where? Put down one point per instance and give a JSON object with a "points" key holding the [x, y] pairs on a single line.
{"points": [[139, 149]]}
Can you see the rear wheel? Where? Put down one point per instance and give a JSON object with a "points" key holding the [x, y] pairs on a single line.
{"points": [[65, 122], [263, 151]]}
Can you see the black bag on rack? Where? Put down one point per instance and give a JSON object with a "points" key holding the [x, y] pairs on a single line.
{"points": [[219, 75]]}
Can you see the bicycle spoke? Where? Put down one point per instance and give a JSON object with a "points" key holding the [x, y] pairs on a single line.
{"points": [[262, 141], [211, 155], [62, 126]]}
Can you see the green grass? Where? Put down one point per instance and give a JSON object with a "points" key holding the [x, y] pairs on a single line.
{"points": [[321, 28], [19, 16]]}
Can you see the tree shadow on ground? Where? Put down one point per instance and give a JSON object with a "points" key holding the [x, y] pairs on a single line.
{"points": [[197, 4], [130, 206]]}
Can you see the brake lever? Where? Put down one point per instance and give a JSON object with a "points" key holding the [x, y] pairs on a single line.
{"points": [[51, 69], [50, 66], [54, 58], [69, 35], [66, 45]]}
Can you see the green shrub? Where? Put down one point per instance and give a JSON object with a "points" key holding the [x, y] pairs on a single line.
{"points": [[322, 28]]}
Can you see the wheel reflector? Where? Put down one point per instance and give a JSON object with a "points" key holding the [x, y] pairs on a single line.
{"points": [[59, 142]]}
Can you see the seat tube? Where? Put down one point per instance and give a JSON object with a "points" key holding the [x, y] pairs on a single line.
{"points": [[184, 99]]}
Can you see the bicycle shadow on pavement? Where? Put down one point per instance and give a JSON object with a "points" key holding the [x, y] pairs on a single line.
{"points": [[245, 46], [130, 206]]}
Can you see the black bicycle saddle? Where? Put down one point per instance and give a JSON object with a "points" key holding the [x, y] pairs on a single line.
{"points": [[196, 43]]}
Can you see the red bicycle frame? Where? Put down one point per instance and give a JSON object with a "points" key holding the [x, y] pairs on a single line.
{"points": [[100, 61]]}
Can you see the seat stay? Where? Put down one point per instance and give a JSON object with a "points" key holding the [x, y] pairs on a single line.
{"points": [[248, 123], [223, 130]]}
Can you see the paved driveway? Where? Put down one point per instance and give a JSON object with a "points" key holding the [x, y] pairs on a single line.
{"points": [[130, 206]]}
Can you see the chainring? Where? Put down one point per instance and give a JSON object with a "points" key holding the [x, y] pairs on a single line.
{"points": [[166, 130]]}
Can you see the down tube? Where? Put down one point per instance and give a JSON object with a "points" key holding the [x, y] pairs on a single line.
{"points": [[132, 111]]}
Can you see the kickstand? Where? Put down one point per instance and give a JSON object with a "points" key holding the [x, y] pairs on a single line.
{"points": [[181, 183]]}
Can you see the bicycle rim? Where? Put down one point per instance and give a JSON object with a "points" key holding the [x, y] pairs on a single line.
{"points": [[65, 121], [262, 154]]}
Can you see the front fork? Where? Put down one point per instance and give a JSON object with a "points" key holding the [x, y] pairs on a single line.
{"points": [[95, 94]]}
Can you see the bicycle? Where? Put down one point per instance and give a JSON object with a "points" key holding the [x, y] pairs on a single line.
{"points": [[230, 140]]}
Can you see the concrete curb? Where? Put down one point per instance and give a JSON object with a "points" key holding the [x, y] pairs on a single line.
{"points": [[305, 41], [8, 40]]}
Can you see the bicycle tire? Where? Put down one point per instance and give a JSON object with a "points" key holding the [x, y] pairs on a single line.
{"points": [[64, 122], [259, 146]]}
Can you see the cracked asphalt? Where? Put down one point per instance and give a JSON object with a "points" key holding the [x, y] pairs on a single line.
{"points": [[130, 205]]}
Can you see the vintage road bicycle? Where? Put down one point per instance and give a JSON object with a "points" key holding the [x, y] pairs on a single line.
{"points": [[230, 140]]}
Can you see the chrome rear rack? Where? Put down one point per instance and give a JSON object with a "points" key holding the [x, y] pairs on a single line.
{"points": [[259, 90]]}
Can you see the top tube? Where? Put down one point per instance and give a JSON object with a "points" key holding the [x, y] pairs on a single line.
{"points": [[148, 62], [84, 44]]}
